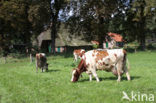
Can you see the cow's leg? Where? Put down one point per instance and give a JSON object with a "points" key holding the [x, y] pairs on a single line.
{"points": [[36, 66], [127, 74], [119, 66], [90, 77], [119, 76], [36, 69], [75, 57], [46, 69], [95, 75]]}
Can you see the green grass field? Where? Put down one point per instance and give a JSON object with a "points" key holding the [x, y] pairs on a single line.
{"points": [[19, 82]]}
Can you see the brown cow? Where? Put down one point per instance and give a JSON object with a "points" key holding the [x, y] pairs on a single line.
{"points": [[41, 62]]}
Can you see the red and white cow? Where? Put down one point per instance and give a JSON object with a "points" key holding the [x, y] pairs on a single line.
{"points": [[113, 60], [41, 62], [78, 53]]}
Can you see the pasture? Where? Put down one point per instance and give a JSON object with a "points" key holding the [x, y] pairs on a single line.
{"points": [[19, 82]]}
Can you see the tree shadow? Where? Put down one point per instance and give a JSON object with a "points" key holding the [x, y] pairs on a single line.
{"points": [[111, 78]]}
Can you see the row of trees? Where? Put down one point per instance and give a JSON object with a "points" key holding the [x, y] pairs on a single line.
{"points": [[135, 19], [22, 20]]}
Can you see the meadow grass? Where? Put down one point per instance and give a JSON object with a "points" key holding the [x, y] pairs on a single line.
{"points": [[19, 82]]}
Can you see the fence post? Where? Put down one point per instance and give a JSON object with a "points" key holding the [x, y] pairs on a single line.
{"points": [[5, 61], [135, 48], [31, 58]]}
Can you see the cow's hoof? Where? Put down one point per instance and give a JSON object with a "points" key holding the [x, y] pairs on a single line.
{"points": [[98, 81], [129, 79], [118, 81]]}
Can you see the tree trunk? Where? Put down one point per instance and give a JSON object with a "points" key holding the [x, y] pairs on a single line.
{"points": [[142, 36], [142, 41], [55, 8], [54, 17], [53, 36], [142, 28]]}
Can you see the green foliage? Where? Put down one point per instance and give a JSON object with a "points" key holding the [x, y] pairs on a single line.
{"points": [[139, 18], [150, 46], [95, 46], [39, 15], [21, 19], [14, 23], [91, 18], [134, 19]]}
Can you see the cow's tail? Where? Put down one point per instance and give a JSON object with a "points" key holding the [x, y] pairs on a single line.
{"points": [[128, 64]]}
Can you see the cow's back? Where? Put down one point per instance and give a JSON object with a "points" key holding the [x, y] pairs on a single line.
{"points": [[116, 54], [89, 57], [102, 59]]}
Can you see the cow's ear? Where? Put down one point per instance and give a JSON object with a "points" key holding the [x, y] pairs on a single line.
{"points": [[73, 69], [47, 64]]}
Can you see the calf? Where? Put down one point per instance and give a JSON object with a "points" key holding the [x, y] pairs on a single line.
{"points": [[113, 60], [41, 62], [78, 53]]}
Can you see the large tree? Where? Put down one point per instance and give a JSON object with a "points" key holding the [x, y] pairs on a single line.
{"points": [[15, 23], [55, 6], [138, 14], [91, 18], [15, 26]]}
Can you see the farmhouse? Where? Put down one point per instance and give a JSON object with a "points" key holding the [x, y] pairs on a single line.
{"points": [[63, 42], [113, 40]]}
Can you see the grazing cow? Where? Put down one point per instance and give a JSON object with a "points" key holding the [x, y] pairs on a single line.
{"points": [[113, 60], [41, 62], [78, 53]]}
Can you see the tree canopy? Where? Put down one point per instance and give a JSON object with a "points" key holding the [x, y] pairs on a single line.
{"points": [[131, 18], [21, 20]]}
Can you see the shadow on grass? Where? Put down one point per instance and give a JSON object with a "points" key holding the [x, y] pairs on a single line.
{"points": [[53, 70], [123, 78], [111, 78]]}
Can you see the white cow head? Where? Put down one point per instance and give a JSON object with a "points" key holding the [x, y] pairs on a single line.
{"points": [[75, 75]]}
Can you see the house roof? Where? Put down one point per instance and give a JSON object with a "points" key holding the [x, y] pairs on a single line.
{"points": [[63, 39], [116, 37], [45, 35]]}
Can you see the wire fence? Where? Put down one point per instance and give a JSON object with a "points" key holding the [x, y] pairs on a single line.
{"points": [[29, 53]]}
